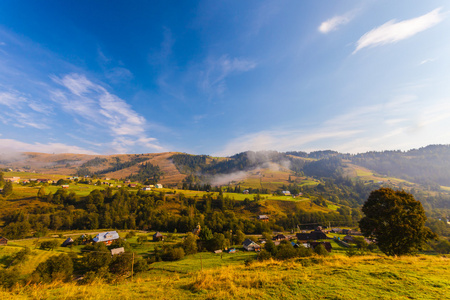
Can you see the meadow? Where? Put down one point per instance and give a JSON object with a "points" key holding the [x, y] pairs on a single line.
{"points": [[333, 277]]}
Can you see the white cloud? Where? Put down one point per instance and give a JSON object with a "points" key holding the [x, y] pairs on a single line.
{"points": [[94, 104], [427, 61], [393, 31], [11, 99], [213, 78], [14, 146], [333, 23]]}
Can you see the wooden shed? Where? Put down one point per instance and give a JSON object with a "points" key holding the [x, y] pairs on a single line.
{"points": [[3, 241], [158, 237]]}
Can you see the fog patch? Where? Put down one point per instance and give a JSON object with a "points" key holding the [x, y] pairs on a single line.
{"points": [[224, 179]]}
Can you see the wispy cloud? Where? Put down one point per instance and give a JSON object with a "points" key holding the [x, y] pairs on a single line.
{"points": [[335, 22], [20, 111], [13, 146], [213, 78], [402, 122], [392, 31], [93, 103]]}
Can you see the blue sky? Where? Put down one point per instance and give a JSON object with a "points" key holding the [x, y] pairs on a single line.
{"points": [[222, 77]]}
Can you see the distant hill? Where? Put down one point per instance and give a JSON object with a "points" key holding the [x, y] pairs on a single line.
{"points": [[428, 166]]}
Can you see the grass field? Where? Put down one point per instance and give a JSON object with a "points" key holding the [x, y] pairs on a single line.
{"points": [[334, 277]]}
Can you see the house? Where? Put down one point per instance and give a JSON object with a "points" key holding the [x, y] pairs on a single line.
{"points": [[327, 245], [67, 242], [42, 180], [13, 179], [335, 230], [231, 250], [279, 237], [218, 251], [250, 245], [106, 237], [286, 193], [158, 237], [158, 186], [349, 239], [245, 192], [132, 185], [263, 218], [65, 186], [3, 241], [146, 189], [116, 251], [314, 235]]}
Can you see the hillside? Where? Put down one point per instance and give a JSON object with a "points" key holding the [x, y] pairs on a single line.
{"points": [[113, 166]]}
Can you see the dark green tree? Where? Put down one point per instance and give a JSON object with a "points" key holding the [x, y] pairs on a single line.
{"points": [[396, 221], [41, 193], [7, 188], [55, 268]]}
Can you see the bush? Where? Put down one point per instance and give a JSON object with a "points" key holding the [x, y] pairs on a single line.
{"points": [[55, 268], [49, 245], [8, 278], [172, 253], [130, 235], [120, 264], [264, 255], [320, 250]]}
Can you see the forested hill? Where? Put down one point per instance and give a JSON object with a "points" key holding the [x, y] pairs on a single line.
{"points": [[429, 165]]}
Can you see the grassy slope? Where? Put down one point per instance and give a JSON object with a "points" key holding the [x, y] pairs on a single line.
{"points": [[335, 277]]}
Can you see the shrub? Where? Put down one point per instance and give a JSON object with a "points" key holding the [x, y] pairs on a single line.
{"points": [[8, 278], [320, 250], [172, 253], [55, 268], [264, 255], [49, 245]]}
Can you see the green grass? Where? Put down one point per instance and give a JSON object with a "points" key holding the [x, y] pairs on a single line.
{"points": [[333, 277]]}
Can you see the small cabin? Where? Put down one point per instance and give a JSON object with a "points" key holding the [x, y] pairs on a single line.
{"points": [[3, 241]]}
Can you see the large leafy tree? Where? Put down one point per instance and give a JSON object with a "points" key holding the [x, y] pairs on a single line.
{"points": [[396, 221]]}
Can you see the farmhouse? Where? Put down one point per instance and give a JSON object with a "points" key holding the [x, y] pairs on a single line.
{"points": [[314, 235], [279, 237], [158, 237], [13, 179], [67, 242], [263, 218], [146, 189], [286, 193], [250, 245], [3, 241], [106, 237], [327, 245], [117, 251], [132, 185], [158, 186]]}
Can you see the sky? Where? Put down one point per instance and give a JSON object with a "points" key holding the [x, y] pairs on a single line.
{"points": [[223, 77]]}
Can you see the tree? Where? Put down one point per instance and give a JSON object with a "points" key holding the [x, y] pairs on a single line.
{"points": [[55, 268], [396, 221], [7, 188], [41, 193]]}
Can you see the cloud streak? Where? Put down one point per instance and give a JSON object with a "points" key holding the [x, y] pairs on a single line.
{"points": [[94, 103], [335, 22], [213, 81], [392, 31], [10, 146]]}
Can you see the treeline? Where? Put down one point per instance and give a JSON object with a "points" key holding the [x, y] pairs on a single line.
{"points": [[146, 211], [116, 165], [429, 166], [148, 174], [128, 210]]}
